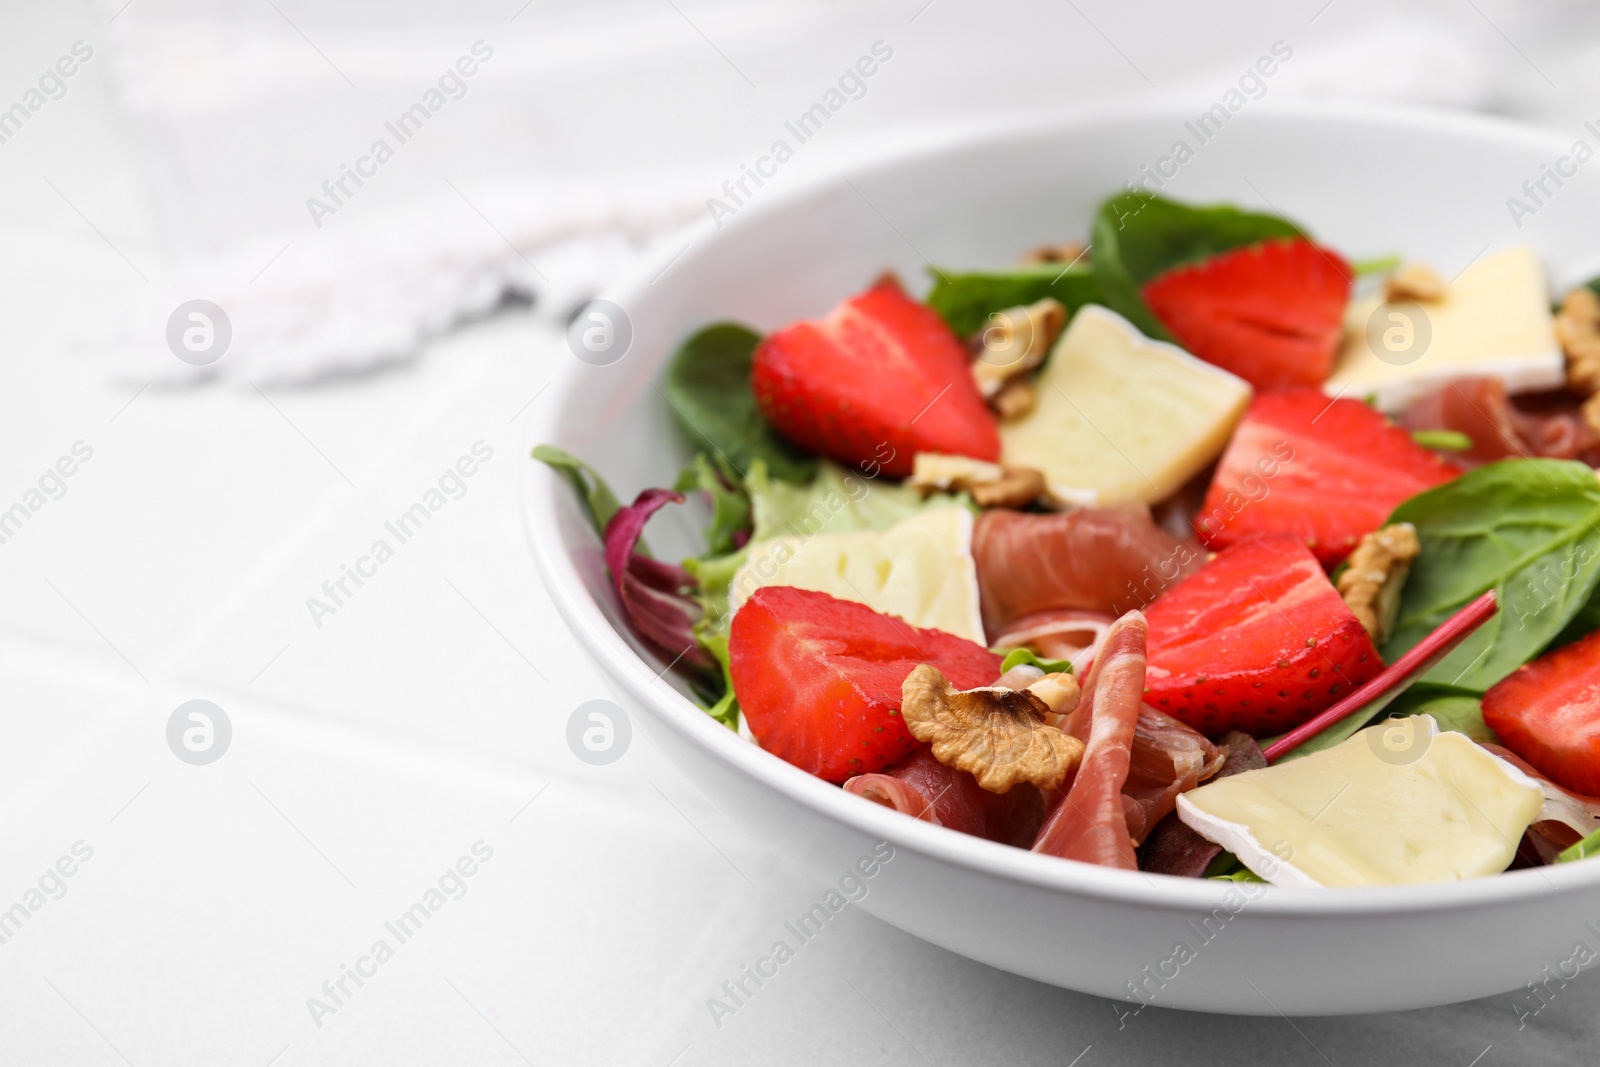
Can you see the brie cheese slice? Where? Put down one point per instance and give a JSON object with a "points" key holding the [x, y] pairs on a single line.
{"points": [[1121, 417], [1396, 803], [1494, 321], [920, 569]]}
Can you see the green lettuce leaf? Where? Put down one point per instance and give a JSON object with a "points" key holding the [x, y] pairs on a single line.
{"points": [[730, 507], [726, 708], [598, 501], [1589, 846], [708, 386], [1137, 236], [1025, 657], [837, 500], [1527, 528], [966, 301]]}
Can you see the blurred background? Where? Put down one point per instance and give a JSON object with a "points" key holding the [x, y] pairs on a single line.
{"points": [[389, 311]]}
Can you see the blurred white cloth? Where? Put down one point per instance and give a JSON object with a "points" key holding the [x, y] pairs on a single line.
{"points": [[590, 130]]}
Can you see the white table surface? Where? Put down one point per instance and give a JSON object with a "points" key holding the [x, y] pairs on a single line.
{"points": [[426, 715]]}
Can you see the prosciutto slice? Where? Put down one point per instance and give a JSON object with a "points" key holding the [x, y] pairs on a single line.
{"points": [[1065, 633], [926, 789], [1104, 560], [1090, 823], [1548, 425], [1167, 758], [1173, 848]]}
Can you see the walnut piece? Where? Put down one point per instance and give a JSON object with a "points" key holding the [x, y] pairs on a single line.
{"points": [[1065, 252], [997, 735], [1415, 283], [1015, 399], [1014, 342], [1375, 574], [991, 485], [1591, 412], [1578, 330]]}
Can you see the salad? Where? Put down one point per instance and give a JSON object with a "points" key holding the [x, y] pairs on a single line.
{"points": [[1197, 550]]}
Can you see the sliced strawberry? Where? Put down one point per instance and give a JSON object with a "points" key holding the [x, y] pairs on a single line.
{"points": [[1272, 313], [876, 381], [1328, 472], [1548, 712], [819, 678], [1256, 640]]}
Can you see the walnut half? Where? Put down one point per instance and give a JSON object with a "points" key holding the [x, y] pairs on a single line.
{"points": [[1376, 573], [1578, 329], [997, 735], [991, 485], [1415, 283], [1014, 342]]}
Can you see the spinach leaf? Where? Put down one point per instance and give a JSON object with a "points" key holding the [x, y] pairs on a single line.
{"points": [[598, 501], [708, 386], [1137, 236], [1452, 708], [1461, 712], [965, 301], [1528, 528], [730, 507], [1584, 623]]}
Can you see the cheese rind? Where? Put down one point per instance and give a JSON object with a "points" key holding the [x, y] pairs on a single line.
{"points": [[1494, 321], [1121, 417], [1394, 804], [920, 569]]}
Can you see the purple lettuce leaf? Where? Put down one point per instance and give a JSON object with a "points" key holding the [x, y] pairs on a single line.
{"points": [[656, 596]]}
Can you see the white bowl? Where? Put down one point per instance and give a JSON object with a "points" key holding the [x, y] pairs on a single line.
{"points": [[1368, 180]]}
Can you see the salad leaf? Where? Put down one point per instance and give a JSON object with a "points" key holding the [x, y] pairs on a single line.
{"points": [[1589, 846], [726, 708], [1461, 712], [598, 501], [1454, 709], [1527, 528], [1584, 623], [1382, 265], [730, 507], [837, 500], [708, 385], [1225, 867], [1137, 236], [966, 301], [657, 597], [715, 578], [1024, 656], [1442, 440]]}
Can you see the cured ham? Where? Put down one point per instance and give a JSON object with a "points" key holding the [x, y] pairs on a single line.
{"points": [[1103, 560], [1090, 823], [1500, 427], [1167, 757], [1173, 848], [926, 789], [1064, 633]]}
